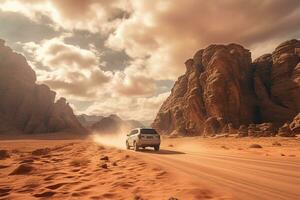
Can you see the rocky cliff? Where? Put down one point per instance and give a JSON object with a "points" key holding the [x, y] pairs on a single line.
{"points": [[222, 89], [25, 106]]}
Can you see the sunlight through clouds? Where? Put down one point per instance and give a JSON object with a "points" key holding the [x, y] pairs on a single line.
{"points": [[155, 36]]}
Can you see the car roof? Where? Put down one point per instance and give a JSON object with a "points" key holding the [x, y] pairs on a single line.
{"points": [[141, 128]]}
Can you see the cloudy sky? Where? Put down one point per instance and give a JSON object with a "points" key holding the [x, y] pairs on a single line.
{"points": [[123, 56]]}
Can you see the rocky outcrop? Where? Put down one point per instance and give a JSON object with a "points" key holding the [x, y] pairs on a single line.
{"points": [[285, 131], [221, 82], [290, 129], [295, 124], [113, 124], [257, 130], [26, 106]]}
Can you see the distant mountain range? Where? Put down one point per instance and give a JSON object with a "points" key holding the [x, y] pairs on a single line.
{"points": [[88, 120], [110, 124]]}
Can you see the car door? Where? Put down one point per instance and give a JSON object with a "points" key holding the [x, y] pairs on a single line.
{"points": [[133, 135]]}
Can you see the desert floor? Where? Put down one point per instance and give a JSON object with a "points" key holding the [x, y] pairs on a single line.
{"points": [[185, 168]]}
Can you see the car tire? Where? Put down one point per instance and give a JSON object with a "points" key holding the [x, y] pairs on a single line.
{"points": [[127, 145], [156, 148], [135, 146]]}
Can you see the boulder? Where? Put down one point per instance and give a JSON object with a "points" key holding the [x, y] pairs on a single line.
{"points": [[266, 130], [255, 146], [285, 131], [261, 130], [295, 124]]}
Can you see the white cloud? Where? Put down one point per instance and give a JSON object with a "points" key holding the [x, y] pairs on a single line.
{"points": [[70, 70], [139, 108], [92, 15], [74, 73], [165, 34]]}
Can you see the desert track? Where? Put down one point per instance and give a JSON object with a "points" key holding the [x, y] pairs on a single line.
{"points": [[242, 176]]}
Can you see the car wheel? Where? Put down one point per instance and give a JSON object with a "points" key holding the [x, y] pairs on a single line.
{"points": [[156, 148], [135, 146], [127, 145]]}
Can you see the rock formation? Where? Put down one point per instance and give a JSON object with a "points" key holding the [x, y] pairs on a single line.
{"points": [[295, 124], [277, 83], [113, 124], [285, 131], [257, 130], [25, 106], [223, 86]]}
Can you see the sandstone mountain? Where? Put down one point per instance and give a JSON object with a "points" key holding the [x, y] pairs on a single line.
{"points": [[25, 106], [113, 124], [223, 90]]}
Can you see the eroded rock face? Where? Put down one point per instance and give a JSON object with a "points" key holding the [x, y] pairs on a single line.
{"points": [[217, 83], [222, 82], [277, 83], [26, 106]]}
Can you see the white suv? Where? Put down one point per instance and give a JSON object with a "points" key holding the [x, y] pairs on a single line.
{"points": [[143, 137]]}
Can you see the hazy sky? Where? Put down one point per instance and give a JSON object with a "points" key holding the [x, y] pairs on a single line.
{"points": [[123, 56]]}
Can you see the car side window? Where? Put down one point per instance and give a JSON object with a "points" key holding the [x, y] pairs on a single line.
{"points": [[135, 132]]}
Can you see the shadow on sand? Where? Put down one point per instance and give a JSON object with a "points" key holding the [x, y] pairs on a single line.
{"points": [[161, 151]]}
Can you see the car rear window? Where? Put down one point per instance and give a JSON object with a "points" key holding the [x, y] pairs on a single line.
{"points": [[148, 131]]}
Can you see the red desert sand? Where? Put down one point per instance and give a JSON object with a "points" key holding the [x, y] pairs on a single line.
{"points": [[185, 168]]}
